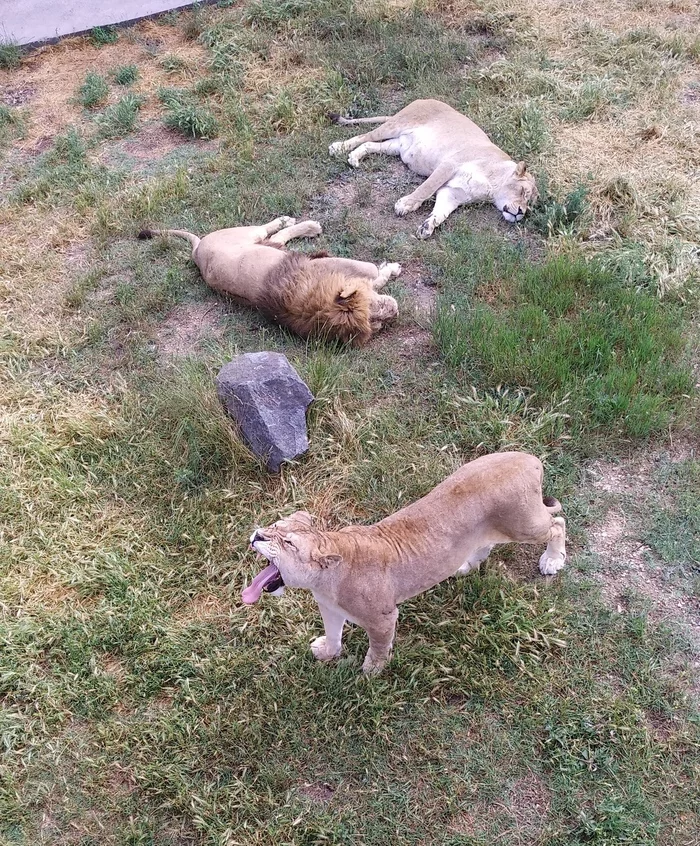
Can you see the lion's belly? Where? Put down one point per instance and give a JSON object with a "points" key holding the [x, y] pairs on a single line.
{"points": [[415, 152]]}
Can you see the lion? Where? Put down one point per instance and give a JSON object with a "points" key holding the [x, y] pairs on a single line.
{"points": [[362, 573], [317, 294], [462, 164]]}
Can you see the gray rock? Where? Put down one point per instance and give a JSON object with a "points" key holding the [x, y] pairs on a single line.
{"points": [[268, 400]]}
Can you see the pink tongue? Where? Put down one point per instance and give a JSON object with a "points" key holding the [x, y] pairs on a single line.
{"points": [[254, 590]]}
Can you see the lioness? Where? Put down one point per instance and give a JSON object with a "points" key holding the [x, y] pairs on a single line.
{"points": [[317, 294], [361, 573], [461, 163]]}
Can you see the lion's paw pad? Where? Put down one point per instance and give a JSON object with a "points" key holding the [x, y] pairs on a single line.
{"points": [[336, 148], [425, 230]]}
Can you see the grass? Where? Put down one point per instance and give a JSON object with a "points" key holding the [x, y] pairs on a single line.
{"points": [[566, 330], [142, 703], [10, 55], [187, 116], [125, 74], [120, 119], [94, 91], [101, 35]]}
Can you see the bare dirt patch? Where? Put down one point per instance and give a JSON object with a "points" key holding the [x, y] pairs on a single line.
{"points": [[522, 813], [528, 803], [318, 792], [186, 326], [155, 141], [628, 566], [203, 608], [17, 95]]}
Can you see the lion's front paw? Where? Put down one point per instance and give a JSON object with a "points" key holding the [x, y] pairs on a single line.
{"points": [[336, 148], [314, 228], [354, 159], [551, 563], [426, 229], [405, 205], [287, 221], [321, 651], [390, 269]]}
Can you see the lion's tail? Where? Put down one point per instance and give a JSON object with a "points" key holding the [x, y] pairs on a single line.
{"points": [[339, 119], [179, 233], [551, 504]]}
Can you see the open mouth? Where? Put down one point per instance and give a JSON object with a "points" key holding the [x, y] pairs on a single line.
{"points": [[268, 580]]}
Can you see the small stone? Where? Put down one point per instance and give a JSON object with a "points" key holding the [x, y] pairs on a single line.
{"points": [[264, 395]]}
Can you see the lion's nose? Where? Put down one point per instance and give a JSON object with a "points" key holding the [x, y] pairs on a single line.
{"points": [[257, 536]]}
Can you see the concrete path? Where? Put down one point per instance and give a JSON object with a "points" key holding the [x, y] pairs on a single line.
{"points": [[33, 21]]}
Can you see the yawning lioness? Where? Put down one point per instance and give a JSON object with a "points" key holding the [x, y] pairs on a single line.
{"points": [[361, 573]]}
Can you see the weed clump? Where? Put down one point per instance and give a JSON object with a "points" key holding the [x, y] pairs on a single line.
{"points": [[173, 64], [551, 215], [10, 55], [6, 116], [100, 35], [94, 91], [126, 74], [120, 119], [186, 116]]}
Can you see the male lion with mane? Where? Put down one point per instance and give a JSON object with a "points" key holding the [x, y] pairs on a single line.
{"points": [[317, 294], [362, 573], [462, 164]]}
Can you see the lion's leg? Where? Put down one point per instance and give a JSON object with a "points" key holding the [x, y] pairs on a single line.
{"points": [[445, 203], [275, 225], [385, 132], [350, 267], [305, 229], [390, 148], [381, 639], [436, 180], [554, 557], [387, 270], [330, 645]]}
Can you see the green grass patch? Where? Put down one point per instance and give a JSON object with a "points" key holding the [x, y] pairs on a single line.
{"points": [[191, 119], [94, 91], [125, 75], [565, 329], [101, 35], [10, 55], [173, 64], [120, 119]]}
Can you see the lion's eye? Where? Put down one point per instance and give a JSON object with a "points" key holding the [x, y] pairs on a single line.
{"points": [[287, 542]]}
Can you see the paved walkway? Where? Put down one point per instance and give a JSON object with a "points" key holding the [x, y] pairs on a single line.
{"points": [[31, 21]]}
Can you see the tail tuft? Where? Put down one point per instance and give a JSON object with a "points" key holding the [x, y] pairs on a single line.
{"points": [[334, 117], [145, 234]]}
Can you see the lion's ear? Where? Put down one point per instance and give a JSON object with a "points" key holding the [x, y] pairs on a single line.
{"points": [[346, 294], [520, 169], [327, 561]]}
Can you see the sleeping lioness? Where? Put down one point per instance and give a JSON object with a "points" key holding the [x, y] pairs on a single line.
{"points": [[461, 163], [309, 294], [361, 573]]}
